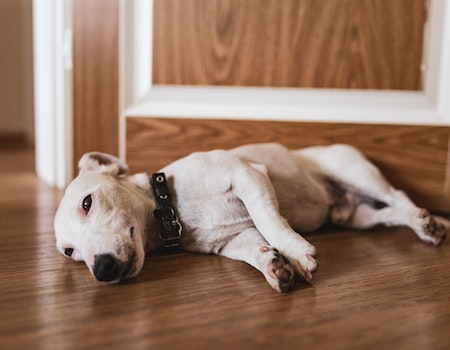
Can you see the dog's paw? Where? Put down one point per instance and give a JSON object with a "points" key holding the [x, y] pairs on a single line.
{"points": [[304, 261], [279, 272], [429, 229], [306, 266]]}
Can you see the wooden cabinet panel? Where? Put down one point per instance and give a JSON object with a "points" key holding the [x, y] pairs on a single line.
{"points": [[361, 44], [413, 158]]}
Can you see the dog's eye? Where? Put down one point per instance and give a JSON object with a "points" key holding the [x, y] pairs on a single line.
{"points": [[87, 202], [68, 251]]}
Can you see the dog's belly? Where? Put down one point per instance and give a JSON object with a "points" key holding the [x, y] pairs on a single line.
{"points": [[306, 218], [305, 206]]}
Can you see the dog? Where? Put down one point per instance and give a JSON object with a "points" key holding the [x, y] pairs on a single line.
{"points": [[247, 204]]}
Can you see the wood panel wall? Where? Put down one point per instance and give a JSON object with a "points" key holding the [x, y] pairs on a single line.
{"points": [[413, 158], [95, 77], [361, 44]]}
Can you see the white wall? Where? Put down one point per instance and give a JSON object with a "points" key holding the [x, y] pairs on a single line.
{"points": [[16, 68]]}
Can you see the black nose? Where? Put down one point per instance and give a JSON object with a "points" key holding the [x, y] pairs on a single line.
{"points": [[106, 268]]}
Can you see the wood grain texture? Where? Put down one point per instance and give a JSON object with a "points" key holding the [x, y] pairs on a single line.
{"points": [[413, 158], [95, 76], [362, 44], [381, 289]]}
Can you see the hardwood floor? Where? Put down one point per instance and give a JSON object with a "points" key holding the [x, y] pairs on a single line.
{"points": [[375, 290]]}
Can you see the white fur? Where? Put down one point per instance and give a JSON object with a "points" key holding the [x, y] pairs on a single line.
{"points": [[244, 204]]}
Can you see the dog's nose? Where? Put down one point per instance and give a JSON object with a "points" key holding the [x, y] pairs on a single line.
{"points": [[106, 268]]}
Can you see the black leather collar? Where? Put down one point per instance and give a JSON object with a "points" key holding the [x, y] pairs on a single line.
{"points": [[170, 227]]}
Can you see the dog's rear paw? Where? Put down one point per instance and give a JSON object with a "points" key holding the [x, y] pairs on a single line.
{"points": [[280, 273], [430, 230]]}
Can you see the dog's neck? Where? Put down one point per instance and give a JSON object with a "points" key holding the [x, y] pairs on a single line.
{"points": [[153, 227]]}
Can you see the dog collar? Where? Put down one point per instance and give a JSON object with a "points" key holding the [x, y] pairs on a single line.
{"points": [[170, 227]]}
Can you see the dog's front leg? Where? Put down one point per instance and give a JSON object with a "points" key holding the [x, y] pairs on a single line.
{"points": [[251, 247], [253, 187]]}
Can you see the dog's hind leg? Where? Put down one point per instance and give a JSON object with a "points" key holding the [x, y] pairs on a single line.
{"points": [[428, 228], [348, 167], [251, 247], [365, 184]]}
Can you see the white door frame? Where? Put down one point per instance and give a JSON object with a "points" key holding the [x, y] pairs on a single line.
{"points": [[52, 46], [138, 97]]}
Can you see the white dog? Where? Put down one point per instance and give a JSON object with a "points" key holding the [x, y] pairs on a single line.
{"points": [[243, 204]]}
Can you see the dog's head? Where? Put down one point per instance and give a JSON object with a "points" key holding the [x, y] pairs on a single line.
{"points": [[103, 217]]}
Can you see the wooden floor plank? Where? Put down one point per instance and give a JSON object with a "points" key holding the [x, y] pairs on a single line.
{"points": [[373, 290]]}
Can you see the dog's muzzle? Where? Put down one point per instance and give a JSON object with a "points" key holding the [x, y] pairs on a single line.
{"points": [[107, 268]]}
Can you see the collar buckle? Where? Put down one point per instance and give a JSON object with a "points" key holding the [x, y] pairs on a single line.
{"points": [[171, 228]]}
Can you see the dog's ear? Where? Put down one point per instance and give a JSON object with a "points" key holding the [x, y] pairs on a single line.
{"points": [[97, 161]]}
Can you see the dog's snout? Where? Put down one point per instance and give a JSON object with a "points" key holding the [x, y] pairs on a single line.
{"points": [[106, 268]]}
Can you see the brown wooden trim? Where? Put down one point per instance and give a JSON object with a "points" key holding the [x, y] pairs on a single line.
{"points": [[95, 76], [413, 158]]}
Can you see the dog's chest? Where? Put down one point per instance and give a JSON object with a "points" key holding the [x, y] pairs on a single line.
{"points": [[210, 221]]}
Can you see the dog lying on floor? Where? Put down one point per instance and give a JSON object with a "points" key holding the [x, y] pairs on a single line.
{"points": [[243, 204]]}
